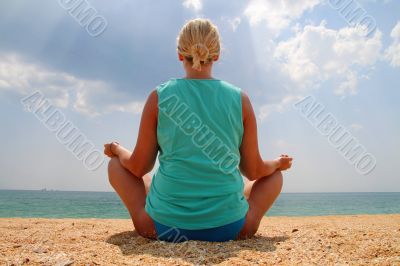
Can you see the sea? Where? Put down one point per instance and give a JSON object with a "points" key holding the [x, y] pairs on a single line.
{"points": [[82, 204]]}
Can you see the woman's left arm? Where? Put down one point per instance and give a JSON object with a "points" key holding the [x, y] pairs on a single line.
{"points": [[142, 159]]}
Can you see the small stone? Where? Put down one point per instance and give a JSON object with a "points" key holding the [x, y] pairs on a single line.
{"points": [[16, 246], [40, 250], [73, 224], [333, 234], [295, 230], [64, 262], [288, 248], [26, 260]]}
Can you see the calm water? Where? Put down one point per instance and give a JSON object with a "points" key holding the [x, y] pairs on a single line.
{"points": [[62, 204]]}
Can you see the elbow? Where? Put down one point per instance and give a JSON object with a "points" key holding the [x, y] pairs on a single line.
{"points": [[250, 174], [138, 170], [127, 164], [251, 171]]}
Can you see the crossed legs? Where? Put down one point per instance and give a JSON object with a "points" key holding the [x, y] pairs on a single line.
{"points": [[260, 194], [132, 190]]}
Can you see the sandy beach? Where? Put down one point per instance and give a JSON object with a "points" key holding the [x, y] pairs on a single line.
{"points": [[328, 240]]}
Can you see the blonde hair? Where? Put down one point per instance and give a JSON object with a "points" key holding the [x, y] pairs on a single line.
{"points": [[198, 41]]}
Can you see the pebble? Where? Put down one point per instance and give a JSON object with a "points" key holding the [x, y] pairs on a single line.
{"points": [[333, 234], [64, 262], [295, 230], [40, 250]]}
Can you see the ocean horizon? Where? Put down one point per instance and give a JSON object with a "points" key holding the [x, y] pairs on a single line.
{"points": [[92, 204]]}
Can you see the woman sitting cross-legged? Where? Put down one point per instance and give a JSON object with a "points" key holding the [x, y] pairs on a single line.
{"points": [[205, 132]]}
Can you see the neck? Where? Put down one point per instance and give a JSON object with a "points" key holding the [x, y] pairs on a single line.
{"points": [[198, 76], [205, 72]]}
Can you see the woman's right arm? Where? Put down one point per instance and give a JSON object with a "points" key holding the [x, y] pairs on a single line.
{"points": [[251, 164]]}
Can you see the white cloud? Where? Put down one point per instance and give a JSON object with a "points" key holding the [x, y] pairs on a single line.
{"points": [[267, 109], [356, 126], [131, 107], [377, 1], [318, 54], [349, 85], [392, 53], [277, 15], [90, 97], [235, 22], [197, 5], [24, 78], [232, 22]]}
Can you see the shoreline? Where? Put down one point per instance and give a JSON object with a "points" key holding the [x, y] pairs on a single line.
{"points": [[266, 216], [343, 239]]}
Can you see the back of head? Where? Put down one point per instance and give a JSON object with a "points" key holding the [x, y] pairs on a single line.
{"points": [[199, 42]]}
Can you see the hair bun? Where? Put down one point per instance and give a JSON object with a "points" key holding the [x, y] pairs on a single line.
{"points": [[199, 54], [200, 50]]}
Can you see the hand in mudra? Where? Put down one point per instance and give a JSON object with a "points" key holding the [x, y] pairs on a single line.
{"points": [[107, 149], [284, 162]]}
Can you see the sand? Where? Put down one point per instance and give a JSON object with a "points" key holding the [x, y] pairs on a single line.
{"points": [[329, 240]]}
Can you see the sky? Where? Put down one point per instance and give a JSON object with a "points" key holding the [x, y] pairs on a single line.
{"points": [[288, 56]]}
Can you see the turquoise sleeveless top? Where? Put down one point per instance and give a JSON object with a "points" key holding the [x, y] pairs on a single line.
{"points": [[198, 184]]}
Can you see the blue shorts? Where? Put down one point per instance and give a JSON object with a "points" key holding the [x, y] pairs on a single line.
{"points": [[217, 234]]}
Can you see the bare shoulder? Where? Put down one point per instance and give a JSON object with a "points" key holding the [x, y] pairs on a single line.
{"points": [[247, 109], [153, 97], [150, 110]]}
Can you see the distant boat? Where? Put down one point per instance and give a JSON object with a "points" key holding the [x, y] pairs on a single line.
{"points": [[43, 189]]}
